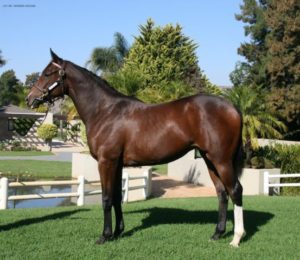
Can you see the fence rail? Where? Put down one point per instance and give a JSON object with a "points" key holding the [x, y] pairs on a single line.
{"points": [[268, 176], [80, 193]]}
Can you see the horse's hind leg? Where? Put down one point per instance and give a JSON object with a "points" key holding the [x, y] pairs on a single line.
{"points": [[235, 190], [117, 204], [223, 200]]}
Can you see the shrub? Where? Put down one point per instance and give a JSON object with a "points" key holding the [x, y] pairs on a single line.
{"points": [[47, 132]]}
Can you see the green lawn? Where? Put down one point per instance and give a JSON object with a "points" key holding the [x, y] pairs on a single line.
{"points": [[155, 229], [24, 153], [36, 169], [161, 169]]}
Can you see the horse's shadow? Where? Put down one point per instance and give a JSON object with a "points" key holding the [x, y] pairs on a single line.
{"points": [[160, 216], [36, 220]]}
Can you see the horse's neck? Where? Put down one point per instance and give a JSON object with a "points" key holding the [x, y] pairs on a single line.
{"points": [[89, 99]]}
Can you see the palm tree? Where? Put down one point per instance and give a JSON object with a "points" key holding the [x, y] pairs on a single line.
{"points": [[257, 120], [109, 59], [106, 60]]}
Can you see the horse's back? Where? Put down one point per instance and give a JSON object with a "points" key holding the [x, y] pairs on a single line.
{"points": [[170, 129]]}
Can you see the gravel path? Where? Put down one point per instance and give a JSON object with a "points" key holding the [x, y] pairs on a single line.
{"points": [[61, 156], [165, 187]]}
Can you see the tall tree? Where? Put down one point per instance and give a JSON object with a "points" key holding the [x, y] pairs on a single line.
{"points": [[109, 59], [162, 55], [241, 75], [273, 54], [283, 43], [273, 51], [252, 14], [31, 79], [286, 104], [10, 88]]}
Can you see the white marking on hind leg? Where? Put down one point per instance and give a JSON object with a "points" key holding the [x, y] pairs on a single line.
{"points": [[239, 230]]}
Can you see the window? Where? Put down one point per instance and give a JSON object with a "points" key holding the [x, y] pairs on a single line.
{"points": [[11, 125]]}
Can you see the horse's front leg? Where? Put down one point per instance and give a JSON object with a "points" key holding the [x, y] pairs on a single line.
{"points": [[108, 173]]}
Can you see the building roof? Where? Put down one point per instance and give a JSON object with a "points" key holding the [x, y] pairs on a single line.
{"points": [[15, 111]]}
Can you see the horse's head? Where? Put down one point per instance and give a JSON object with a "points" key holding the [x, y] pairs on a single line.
{"points": [[50, 84]]}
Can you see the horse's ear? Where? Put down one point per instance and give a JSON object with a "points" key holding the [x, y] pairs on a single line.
{"points": [[54, 56]]}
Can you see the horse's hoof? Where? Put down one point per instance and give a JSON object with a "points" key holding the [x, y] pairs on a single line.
{"points": [[118, 234], [217, 235], [236, 239], [234, 245], [103, 239]]}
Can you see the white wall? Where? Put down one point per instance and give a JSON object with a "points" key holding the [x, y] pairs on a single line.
{"points": [[190, 170], [195, 171], [86, 165]]}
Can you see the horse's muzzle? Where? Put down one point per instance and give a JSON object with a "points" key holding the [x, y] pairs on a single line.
{"points": [[33, 103]]}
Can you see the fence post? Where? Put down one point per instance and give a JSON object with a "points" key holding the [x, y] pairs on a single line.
{"points": [[126, 186], [3, 192], [266, 183], [80, 191], [146, 173]]}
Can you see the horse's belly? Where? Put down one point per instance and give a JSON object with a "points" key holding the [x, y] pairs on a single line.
{"points": [[153, 153]]}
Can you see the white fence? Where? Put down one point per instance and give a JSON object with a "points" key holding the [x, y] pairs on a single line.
{"points": [[80, 193], [267, 184]]}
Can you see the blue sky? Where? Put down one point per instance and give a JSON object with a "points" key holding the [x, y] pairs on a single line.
{"points": [[73, 28]]}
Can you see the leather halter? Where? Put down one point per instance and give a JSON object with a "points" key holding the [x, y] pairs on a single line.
{"points": [[46, 97]]}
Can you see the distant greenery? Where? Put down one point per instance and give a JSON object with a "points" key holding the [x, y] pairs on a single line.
{"points": [[36, 169], [154, 229]]}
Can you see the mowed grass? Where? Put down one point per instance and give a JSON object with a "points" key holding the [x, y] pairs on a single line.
{"points": [[160, 168], [24, 153], [155, 229], [36, 169]]}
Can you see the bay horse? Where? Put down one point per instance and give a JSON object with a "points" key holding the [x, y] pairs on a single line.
{"points": [[124, 131]]}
